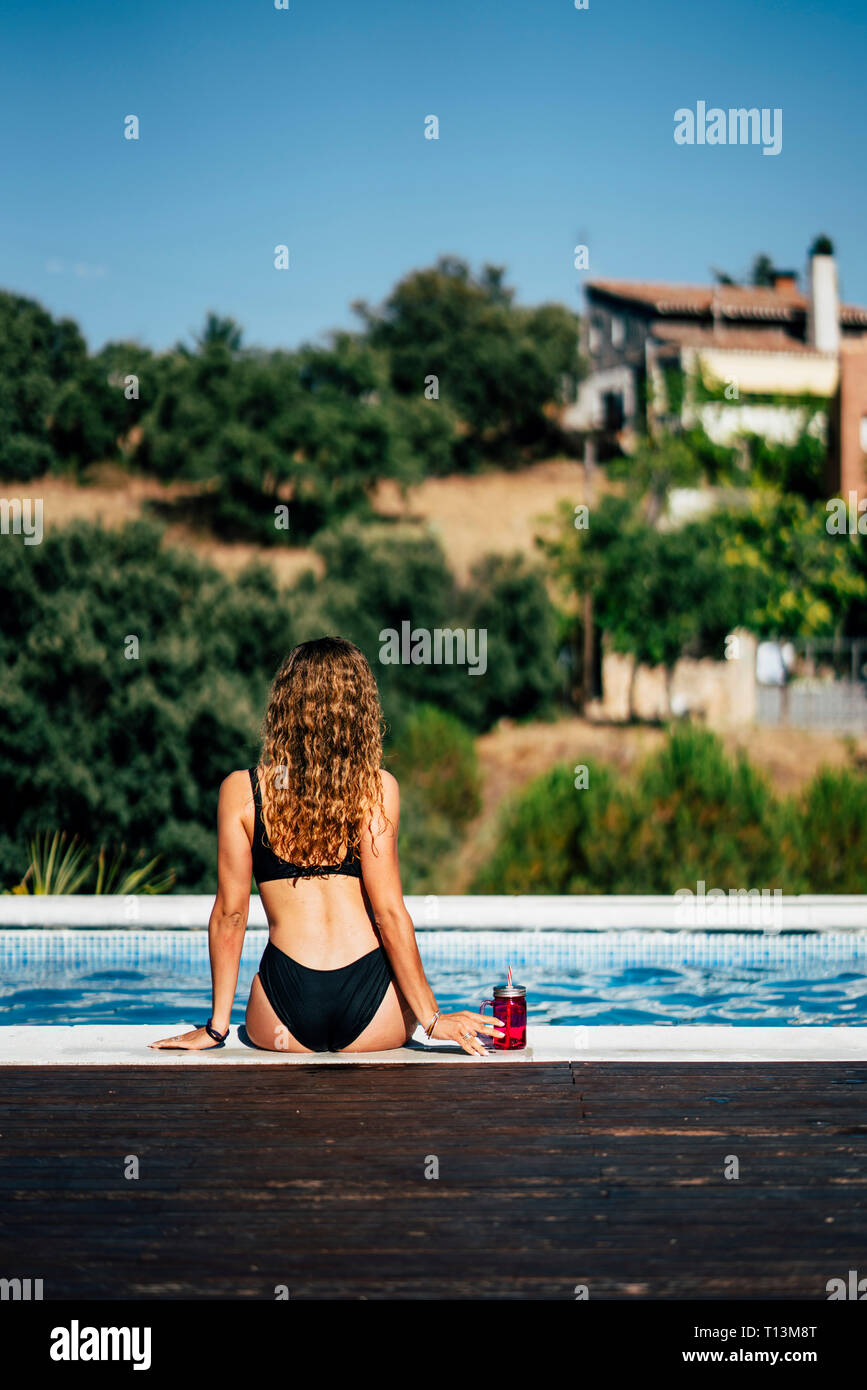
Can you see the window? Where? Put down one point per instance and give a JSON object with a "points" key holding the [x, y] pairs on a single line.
{"points": [[618, 332], [612, 408]]}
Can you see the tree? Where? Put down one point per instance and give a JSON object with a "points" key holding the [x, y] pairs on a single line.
{"points": [[40, 360], [761, 273], [793, 578], [498, 365], [379, 576], [657, 595], [119, 744]]}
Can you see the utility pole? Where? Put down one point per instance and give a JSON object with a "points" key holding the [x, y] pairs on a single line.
{"points": [[588, 691]]}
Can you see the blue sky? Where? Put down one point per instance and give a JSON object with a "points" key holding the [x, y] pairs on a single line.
{"points": [[307, 127]]}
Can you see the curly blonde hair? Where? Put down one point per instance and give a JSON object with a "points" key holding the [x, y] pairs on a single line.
{"points": [[321, 752]]}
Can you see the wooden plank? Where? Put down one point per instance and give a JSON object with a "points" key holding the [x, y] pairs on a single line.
{"points": [[551, 1175]]}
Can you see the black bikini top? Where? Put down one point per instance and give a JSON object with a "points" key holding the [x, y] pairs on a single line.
{"points": [[267, 865]]}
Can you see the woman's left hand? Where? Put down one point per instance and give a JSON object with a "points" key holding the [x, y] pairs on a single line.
{"points": [[199, 1040]]}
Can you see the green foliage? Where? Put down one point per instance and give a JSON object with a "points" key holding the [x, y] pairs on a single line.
{"points": [[438, 755], [555, 837], [55, 865], [132, 751], [60, 408], [314, 430], [793, 578], [692, 814], [702, 815], [718, 463], [822, 246], [657, 466], [60, 867], [761, 273], [770, 566], [675, 383], [797, 468], [498, 365], [656, 594], [434, 759], [508, 599], [826, 839], [38, 359], [377, 577], [128, 751]]}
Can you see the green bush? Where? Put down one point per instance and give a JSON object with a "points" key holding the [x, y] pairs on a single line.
{"points": [[691, 814], [436, 753], [428, 841], [826, 841], [434, 759], [556, 837], [128, 751], [701, 815]]}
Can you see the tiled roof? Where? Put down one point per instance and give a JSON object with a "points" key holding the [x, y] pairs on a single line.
{"points": [[733, 339], [729, 301]]}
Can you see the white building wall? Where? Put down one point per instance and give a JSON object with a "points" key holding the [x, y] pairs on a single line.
{"points": [[588, 411], [778, 423]]}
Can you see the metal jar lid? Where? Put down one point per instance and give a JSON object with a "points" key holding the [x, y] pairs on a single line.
{"points": [[509, 991]]}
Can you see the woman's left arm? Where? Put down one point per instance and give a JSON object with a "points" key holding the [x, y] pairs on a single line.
{"points": [[228, 920]]}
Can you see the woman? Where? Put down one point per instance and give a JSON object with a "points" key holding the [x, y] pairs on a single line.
{"points": [[316, 823]]}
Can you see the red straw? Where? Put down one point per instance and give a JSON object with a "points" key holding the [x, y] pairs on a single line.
{"points": [[510, 977]]}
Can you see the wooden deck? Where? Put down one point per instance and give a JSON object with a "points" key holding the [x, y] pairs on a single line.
{"points": [[550, 1176]]}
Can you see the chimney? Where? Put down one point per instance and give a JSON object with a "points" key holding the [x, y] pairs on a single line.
{"points": [[823, 319], [785, 281]]}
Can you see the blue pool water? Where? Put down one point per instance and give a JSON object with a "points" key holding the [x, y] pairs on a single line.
{"points": [[162, 977]]}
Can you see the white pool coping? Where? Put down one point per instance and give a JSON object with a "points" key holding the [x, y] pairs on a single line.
{"points": [[122, 1046], [701, 912]]}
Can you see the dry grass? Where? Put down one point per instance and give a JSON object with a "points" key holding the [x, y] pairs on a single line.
{"points": [[497, 511], [113, 498]]}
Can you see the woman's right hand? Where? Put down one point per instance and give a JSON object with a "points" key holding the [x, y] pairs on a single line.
{"points": [[462, 1028]]}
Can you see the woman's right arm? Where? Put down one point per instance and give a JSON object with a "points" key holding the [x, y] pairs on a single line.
{"points": [[381, 871]]}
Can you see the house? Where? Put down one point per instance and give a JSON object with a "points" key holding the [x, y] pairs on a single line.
{"points": [[737, 359]]}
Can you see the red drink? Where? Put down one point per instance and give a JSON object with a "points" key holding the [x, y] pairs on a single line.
{"points": [[510, 1010]]}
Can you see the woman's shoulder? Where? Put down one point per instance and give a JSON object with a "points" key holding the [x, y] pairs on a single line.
{"points": [[237, 784], [390, 789], [390, 796]]}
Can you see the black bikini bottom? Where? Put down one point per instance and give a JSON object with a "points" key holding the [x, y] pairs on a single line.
{"points": [[324, 1010]]}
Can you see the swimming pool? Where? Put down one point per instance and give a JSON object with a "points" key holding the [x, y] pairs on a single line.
{"points": [[161, 977]]}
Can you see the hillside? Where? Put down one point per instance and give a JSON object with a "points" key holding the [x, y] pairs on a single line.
{"points": [[469, 514]]}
